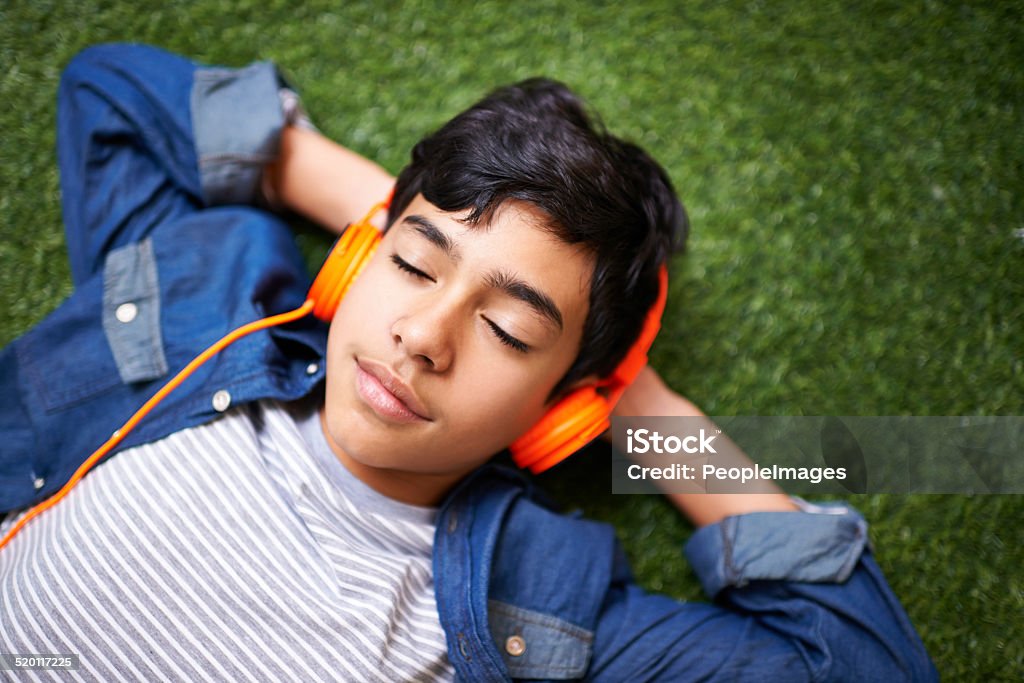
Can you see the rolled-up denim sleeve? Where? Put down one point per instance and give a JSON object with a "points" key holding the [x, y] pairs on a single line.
{"points": [[146, 137], [821, 543], [237, 120], [796, 596]]}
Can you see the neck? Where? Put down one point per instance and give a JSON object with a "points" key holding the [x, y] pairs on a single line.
{"points": [[413, 488]]}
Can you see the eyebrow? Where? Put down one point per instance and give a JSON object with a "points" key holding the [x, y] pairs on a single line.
{"points": [[534, 298], [434, 235], [501, 280]]}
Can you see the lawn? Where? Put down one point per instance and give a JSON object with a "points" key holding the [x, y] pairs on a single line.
{"points": [[854, 179]]}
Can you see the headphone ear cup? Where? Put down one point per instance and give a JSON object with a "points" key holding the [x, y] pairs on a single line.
{"points": [[346, 260], [568, 426], [581, 416]]}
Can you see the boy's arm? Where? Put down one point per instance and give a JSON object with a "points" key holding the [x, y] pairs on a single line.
{"points": [[823, 625], [796, 592], [146, 136], [649, 396], [324, 181]]}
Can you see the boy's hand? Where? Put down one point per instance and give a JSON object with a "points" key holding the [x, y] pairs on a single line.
{"points": [[324, 181]]}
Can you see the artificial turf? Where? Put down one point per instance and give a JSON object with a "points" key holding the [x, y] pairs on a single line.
{"points": [[853, 177]]}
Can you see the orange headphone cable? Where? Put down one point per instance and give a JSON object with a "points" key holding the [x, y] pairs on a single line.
{"points": [[166, 389]]}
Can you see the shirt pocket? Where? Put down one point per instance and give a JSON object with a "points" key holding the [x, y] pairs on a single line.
{"points": [[131, 313], [539, 646], [105, 335]]}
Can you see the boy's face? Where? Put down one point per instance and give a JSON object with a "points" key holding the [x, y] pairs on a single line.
{"points": [[448, 344]]}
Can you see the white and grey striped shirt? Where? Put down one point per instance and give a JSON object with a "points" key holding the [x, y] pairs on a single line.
{"points": [[238, 550]]}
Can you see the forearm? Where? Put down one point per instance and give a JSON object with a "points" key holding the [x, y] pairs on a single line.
{"points": [[650, 397], [324, 181]]}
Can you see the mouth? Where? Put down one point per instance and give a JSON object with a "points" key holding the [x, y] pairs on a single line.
{"points": [[388, 396]]}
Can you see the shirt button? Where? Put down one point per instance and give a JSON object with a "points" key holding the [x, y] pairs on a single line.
{"points": [[39, 483], [515, 645], [126, 312], [312, 368], [221, 401]]}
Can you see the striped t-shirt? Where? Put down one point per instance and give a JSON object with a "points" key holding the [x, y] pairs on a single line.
{"points": [[238, 550]]}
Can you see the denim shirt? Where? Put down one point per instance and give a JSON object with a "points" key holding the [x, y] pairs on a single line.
{"points": [[165, 259], [160, 165]]}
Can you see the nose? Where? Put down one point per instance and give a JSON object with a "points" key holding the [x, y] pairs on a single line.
{"points": [[427, 335]]}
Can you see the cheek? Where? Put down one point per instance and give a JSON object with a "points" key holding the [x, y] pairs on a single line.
{"points": [[505, 394], [363, 306], [494, 404]]}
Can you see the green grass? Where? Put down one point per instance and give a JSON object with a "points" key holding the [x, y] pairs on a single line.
{"points": [[854, 179]]}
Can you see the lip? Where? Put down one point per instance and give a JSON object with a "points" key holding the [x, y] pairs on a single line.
{"points": [[387, 394]]}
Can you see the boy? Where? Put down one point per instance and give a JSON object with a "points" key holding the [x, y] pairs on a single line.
{"points": [[317, 504]]}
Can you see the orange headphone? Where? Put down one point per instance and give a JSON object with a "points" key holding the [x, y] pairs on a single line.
{"points": [[572, 423]]}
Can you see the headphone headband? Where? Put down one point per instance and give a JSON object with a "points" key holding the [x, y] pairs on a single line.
{"points": [[569, 425], [573, 422]]}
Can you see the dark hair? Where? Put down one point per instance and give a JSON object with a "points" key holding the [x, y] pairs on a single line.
{"points": [[535, 142]]}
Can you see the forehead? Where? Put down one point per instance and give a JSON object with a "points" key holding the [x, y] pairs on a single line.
{"points": [[516, 241]]}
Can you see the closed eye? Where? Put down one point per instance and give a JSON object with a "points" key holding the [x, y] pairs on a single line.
{"points": [[407, 267], [503, 336], [507, 339]]}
